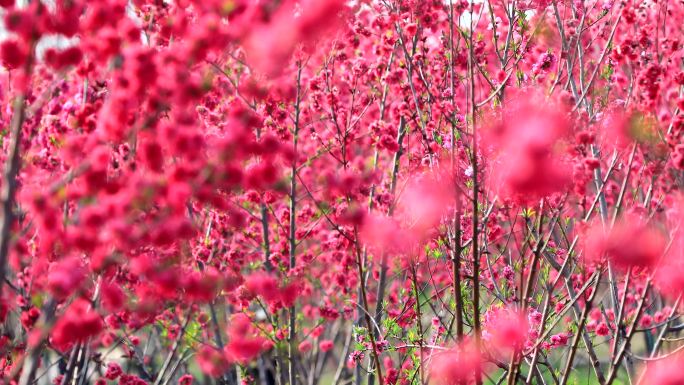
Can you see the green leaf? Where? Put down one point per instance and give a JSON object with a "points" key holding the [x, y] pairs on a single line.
{"points": [[192, 333]]}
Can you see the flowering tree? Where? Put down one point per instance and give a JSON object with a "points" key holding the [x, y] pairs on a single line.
{"points": [[304, 192]]}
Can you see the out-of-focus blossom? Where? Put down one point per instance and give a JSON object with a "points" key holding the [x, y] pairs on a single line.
{"points": [[527, 146], [270, 45], [78, 323], [506, 328], [632, 242], [667, 371], [455, 366]]}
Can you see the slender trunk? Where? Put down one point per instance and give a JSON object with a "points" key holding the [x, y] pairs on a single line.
{"points": [[580, 332], [9, 183], [292, 331], [475, 213]]}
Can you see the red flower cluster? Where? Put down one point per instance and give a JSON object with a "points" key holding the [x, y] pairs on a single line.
{"points": [[379, 192], [79, 323]]}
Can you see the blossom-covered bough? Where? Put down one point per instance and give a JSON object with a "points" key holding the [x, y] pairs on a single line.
{"points": [[305, 192]]}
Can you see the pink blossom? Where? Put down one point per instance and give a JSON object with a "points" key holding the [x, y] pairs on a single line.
{"points": [[454, 366]]}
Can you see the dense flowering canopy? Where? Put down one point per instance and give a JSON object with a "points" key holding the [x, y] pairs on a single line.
{"points": [[304, 192]]}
